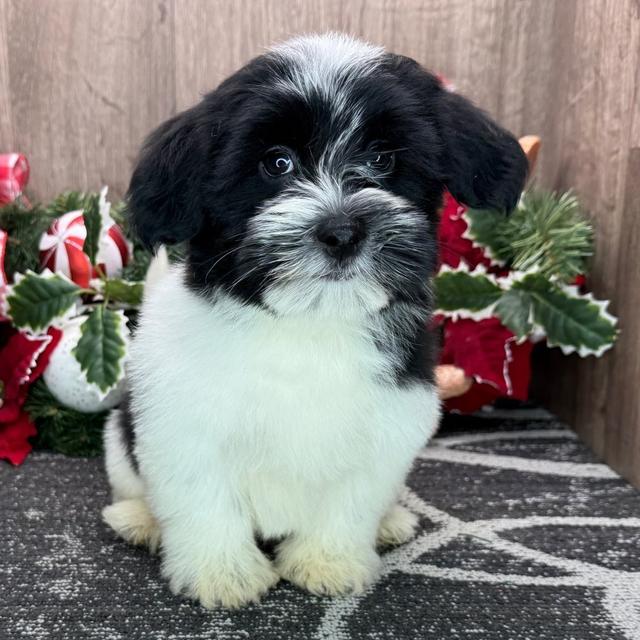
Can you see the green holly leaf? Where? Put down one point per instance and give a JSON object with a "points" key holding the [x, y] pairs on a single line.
{"points": [[93, 224], [514, 310], [488, 228], [124, 291], [102, 348], [570, 321], [36, 300], [461, 290]]}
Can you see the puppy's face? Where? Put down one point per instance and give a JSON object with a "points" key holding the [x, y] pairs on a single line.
{"points": [[310, 180]]}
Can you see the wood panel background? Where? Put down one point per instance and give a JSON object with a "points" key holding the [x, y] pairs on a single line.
{"points": [[82, 82]]}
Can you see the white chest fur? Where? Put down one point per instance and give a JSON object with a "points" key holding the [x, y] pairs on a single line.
{"points": [[291, 401]]}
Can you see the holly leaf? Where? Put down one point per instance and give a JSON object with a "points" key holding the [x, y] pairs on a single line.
{"points": [[37, 299], [93, 224], [514, 310], [124, 291], [102, 348], [461, 290], [488, 229], [571, 321]]}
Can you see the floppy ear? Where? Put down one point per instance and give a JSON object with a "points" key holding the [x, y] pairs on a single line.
{"points": [[484, 165], [164, 202]]}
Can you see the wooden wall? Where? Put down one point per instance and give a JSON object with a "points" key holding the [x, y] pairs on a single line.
{"points": [[82, 81]]}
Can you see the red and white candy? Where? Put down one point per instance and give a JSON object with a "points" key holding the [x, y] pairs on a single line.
{"points": [[62, 246]]}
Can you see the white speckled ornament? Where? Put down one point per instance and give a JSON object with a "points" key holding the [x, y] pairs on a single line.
{"points": [[66, 381]]}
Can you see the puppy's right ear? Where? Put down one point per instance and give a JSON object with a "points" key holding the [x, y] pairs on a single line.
{"points": [[164, 198]]}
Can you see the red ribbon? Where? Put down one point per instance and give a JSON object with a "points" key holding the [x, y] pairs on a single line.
{"points": [[14, 175]]}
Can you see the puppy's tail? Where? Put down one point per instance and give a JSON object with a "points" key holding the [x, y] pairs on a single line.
{"points": [[158, 268]]}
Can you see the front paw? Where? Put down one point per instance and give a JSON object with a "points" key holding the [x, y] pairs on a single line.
{"points": [[230, 583], [397, 527], [323, 571]]}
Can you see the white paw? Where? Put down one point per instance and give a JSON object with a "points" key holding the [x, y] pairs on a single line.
{"points": [[398, 526], [325, 572], [133, 521], [230, 584]]}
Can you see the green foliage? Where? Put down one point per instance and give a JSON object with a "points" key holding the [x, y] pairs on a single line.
{"points": [[101, 348], [137, 267], [547, 232], [62, 429], [123, 291], [66, 202], [24, 228], [490, 229], [462, 290], [92, 223], [36, 300], [514, 309], [569, 320]]}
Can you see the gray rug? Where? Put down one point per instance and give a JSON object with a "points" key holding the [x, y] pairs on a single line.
{"points": [[524, 536]]}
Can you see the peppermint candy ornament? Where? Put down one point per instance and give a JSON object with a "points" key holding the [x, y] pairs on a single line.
{"points": [[114, 249], [62, 246]]}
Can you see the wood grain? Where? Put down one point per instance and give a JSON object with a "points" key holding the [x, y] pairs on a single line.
{"points": [[81, 84], [87, 80]]}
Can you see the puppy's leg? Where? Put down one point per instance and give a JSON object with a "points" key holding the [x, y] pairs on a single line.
{"points": [[129, 515], [133, 521], [209, 552], [123, 477], [334, 552], [397, 526]]}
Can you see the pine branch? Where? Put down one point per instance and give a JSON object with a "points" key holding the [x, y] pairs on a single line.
{"points": [[63, 429], [24, 228], [547, 233]]}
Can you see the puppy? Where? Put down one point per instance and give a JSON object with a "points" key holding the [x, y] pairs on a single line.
{"points": [[281, 379]]}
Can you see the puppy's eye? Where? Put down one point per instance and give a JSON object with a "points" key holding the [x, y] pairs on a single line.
{"points": [[381, 161], [278, 162]]}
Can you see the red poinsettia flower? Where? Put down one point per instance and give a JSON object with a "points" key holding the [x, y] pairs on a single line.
{"points": [[454, 247], [23, 358], [490, 354]]}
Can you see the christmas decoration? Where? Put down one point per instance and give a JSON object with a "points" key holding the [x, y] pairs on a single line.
{"points": [[506, 282], [14, 174], [3, 248], [65, 378], [61, 428], [23, 358], [62, 248], [3, 275], [61, 287], [85, 242]]}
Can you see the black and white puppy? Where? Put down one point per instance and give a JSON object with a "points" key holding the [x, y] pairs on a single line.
{"points": [[281, 378]]}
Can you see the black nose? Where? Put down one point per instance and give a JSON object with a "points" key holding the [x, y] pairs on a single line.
{"points": [[341, 237]]}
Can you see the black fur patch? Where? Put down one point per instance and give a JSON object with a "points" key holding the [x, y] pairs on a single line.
{"points": [[127, 430], [199, 179]]}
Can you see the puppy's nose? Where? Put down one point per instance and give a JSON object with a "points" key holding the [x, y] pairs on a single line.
{"points": [[341, 236]]}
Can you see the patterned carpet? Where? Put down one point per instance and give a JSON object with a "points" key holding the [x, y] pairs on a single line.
{"points": [[524, 536]]}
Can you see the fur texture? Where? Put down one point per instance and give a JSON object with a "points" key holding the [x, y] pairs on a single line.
{"points": [[281, 378]]}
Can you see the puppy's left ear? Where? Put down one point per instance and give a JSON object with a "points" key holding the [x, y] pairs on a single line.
{"points": [[164, 204], [484, 165]]}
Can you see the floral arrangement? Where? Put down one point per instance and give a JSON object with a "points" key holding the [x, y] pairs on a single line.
{"points": [[507, 282], [71, 281]]}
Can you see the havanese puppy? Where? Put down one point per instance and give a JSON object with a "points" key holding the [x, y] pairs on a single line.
{"points": [[281, 379]]}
